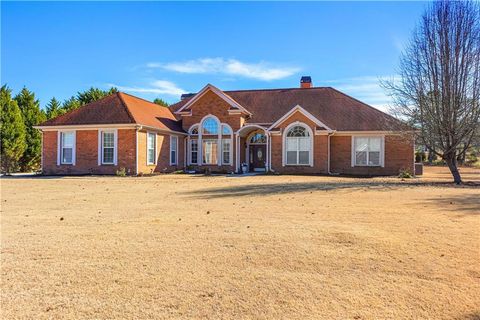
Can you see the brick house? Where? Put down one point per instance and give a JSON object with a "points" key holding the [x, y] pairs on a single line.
{"points": [[306, 130]]}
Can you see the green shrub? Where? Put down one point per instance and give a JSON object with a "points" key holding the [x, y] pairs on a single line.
{"points": [[121, 172], [405, 174]]}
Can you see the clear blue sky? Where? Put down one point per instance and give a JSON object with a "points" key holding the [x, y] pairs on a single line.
{"points": [[154, 49]]}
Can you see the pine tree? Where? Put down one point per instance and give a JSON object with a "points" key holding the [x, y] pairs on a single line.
{"points": [[54, 108], [13, 140], [70, 104], [161, 102], [32, 116], [93, 94]]}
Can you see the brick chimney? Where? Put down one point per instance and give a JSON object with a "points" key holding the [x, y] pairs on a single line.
{"points": [[306, 82]]}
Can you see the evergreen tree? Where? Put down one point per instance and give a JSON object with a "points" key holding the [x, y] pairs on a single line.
{"points": [[32, 116], [13, 141], [94, 94], [70, 104], [161, 102], [54, 108]]}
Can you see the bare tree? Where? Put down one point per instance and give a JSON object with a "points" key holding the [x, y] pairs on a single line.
{"points": [[439, 86]]}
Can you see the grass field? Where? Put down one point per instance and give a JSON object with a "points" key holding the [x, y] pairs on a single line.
{"points": [[222, 247]]}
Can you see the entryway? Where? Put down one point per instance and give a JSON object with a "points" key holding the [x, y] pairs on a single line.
{"points": [[258, 157]]}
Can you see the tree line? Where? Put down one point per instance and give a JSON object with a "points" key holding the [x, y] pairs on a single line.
{"points": [[21, 143]]}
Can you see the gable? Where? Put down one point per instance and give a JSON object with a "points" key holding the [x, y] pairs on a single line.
{"points": [[297, 113]]}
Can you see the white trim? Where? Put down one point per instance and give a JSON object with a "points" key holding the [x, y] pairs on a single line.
{"points": [[105, 126], [304, 112], [136, 151], [60, 147], [173, 163], [284, 149], [367, 133], [218, 92], [193, 127], [382, 151], [154, 149], [239, 131]]}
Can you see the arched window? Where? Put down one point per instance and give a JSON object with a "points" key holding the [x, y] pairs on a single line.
{"points": [[194, 130], [210, 126], [298, 146], [226, 129], [258, 138]]}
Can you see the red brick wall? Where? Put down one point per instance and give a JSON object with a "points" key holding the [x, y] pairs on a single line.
{"points": [[163, 154], [399, 154], [87, 153]]}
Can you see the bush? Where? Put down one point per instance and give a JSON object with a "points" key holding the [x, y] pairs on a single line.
{"points": [[405, 174], [121, 172]]}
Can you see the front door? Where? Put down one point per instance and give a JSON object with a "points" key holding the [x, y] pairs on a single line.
{"points": [[258, 157]]}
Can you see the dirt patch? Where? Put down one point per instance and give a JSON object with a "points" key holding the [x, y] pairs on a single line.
{"points": [[270, 247]]}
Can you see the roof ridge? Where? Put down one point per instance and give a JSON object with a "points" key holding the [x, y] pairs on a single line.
{"points": [[275, 89], [131, 95], [130, 115]]}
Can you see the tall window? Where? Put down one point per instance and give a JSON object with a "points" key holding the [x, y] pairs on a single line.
{"points": [[67, 141], [226, 146], [173, 150], [209, 126], [108, 147], [210, 151], [194, 151], [151, 147], [367, 151], [298, 146]]}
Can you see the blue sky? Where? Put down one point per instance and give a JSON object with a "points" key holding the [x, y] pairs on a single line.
{"points": [[158, 49]]}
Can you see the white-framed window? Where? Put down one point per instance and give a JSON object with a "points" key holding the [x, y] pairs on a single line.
{"points": [[210, 151], [298, 146], [226, 129], [210, 126], [151, 148], [173, 150], [194, 151], [67, 147], [108, 147], [194, 130], [226, 151], [367, 151]]}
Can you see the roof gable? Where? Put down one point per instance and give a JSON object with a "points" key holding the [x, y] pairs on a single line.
{"points": [[234, 104], [301, 110]]}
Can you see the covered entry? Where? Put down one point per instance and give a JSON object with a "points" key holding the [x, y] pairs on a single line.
{"points": [[253, 142]]}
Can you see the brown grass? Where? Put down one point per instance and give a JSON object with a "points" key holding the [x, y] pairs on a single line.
{"points": [[264, 247]]}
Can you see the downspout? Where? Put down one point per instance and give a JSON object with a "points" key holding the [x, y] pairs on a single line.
{"points": [[331, 133], [136, 148]]}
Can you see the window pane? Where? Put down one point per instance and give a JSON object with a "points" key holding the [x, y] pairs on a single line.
{"points": [[303, 157], [291, 157], [297, 131], [361, 158], [304, 144], [361, 144], [210, 126], [173, 157], [151, 140], [108, 139], [258, 138], [375, 144], [194, 131], [173, 145], [194, 151], [67, 139], [226, 151], [108, 155], [67, 155], [374, 158], [210, 151], [292, 144]]}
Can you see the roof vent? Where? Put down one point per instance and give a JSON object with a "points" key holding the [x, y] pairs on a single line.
{"points": [[186, 96], [306, 82]]}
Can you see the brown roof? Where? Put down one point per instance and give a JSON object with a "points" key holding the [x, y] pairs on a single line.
{"points": [[119, 108], [332, 107]]}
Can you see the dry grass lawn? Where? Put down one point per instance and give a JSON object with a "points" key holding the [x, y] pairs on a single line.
{"points": [[221, 247]]}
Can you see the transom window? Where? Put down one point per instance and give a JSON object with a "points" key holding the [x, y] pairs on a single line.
{"points": [[151, 147], [368, 151], [298, 146], [210, 126], [226, 129], [67, 144], [258, 138], [194, 131], [108, 147]]}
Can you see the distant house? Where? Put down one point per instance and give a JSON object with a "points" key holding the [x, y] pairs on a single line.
{"points": [[306, 130]]}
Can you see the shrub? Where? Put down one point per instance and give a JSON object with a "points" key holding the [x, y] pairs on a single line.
{"points": [[405, 174], [121, 172]]}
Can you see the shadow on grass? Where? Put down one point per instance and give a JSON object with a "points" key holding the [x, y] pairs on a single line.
{"points": [[469, 204], [285, 188], [471, 316]]}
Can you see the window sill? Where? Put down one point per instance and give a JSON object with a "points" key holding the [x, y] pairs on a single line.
{"points": [[298, 165], [368, 166]]}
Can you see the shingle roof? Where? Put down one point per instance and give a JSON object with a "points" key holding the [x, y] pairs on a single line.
{"points": [[332, 107], [119, 108]]}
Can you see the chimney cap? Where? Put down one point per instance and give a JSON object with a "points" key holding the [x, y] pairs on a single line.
{"points": [[306, 79]]}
